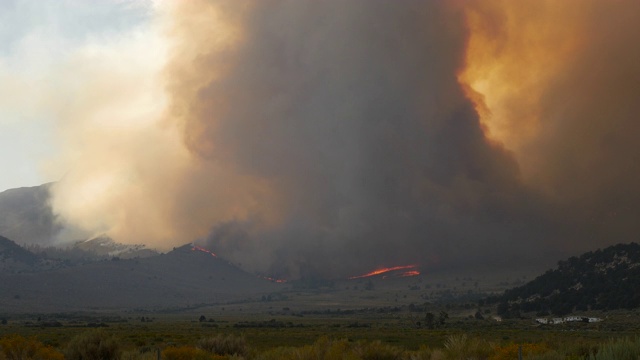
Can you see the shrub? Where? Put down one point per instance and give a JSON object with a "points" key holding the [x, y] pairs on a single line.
{"points": [[436, 355], [509, 352], [279, 353], [16, 347], [423, 353], [378, 351], [463, 347], [224, 345], [551, 355], [323, 349], [188, 353], [624, 349], [93, 345], [578, 349], [134, 354], [331, 349]]}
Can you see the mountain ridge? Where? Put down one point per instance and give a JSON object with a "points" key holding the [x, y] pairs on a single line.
{"points": [[178, 279], [604, 279], [26, 215]]}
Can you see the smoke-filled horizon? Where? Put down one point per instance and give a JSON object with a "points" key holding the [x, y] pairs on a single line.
{"points": [[326, 138]]}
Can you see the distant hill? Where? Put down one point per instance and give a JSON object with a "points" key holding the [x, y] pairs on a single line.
{"points": [[11, 250], [179, 279], [26, 216], [100, 273], [14, 258], [605, 279], [104, 246]]}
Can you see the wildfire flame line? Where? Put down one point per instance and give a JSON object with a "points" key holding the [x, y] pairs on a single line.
{"points": [[412, 271], [279, 281], [198, 248]]}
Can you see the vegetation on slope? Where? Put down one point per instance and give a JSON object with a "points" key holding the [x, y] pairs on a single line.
{"points": [[606, 279], [9, 250], [97, 345]]}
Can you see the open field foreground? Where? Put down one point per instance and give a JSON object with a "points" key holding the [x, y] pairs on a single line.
{"points": [[350, 334]]}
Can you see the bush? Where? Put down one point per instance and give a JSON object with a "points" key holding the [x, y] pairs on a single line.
{"points": [[463, 347], [330, 349], [323, 349], [378, 351], [93, 345], [551, 355], [188, 353], [624, 349], [279, 353], [224, 345], [134, 354], [16, 347], [509, 352]]}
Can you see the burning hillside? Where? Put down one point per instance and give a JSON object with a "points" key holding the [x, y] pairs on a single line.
{"points": [[199, 248], [391, 272]]}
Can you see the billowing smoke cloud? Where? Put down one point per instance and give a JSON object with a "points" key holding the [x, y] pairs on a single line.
{"points": [[342, 131], [330, 137], [560, 81]]}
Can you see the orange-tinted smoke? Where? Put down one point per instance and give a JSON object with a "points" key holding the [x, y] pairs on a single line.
{"points": [[556, 82], [514, 52]]}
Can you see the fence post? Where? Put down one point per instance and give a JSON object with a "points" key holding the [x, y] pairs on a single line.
{"points": [[158, 351], [520, 352]]}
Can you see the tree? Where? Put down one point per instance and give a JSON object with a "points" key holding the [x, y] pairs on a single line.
{"points": [[429, 320], [202, 318], [442, 317]]}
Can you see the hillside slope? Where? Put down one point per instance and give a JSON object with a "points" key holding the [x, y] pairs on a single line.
{"points": [[25, 215], [104, 246], [180, 278], [14, 258], [605, 279]]}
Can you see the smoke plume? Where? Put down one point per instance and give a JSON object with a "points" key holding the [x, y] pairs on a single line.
{"points": [[559, 81], [328, 137]]}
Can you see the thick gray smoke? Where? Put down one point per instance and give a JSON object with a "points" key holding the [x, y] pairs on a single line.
{"points": [[328, 138], [351, 115]]}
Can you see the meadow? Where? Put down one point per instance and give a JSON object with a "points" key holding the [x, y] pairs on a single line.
{"points": [[403, 319], [359, 334]]}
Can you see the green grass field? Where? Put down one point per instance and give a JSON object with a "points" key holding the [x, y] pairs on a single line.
{"points": [[264, 332], [342, 319]]}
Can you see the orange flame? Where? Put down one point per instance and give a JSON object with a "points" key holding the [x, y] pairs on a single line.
{"points": [[410, 273], [279, 281], [413, 271], [198, 248]]}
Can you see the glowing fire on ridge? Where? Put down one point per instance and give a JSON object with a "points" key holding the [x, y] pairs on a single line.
{"points": [[198, 248], [411, 271], [279, 281]]}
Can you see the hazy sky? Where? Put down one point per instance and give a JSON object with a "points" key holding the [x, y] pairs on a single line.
{"points": [[330, 137], [37, 39]]}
